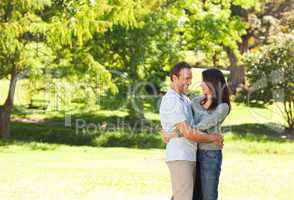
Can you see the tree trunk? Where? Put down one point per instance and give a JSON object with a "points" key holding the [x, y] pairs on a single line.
{"points": [[136, 102], [289, 114], [5, 110], [136, 109], [236, 78], [237, 73]]}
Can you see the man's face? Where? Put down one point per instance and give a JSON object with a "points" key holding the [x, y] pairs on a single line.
{"points": [[184, 80]]}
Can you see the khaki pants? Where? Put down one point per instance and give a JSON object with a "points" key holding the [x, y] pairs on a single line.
{"points": [[182, 178]]}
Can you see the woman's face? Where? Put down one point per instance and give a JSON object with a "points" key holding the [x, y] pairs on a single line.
{"points": [[205, 89]]}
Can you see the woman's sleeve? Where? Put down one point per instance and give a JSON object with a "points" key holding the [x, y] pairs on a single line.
{"points": [[213, 119]]}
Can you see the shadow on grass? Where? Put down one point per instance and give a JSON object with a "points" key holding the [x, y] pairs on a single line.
{"points": [[119, 132], [87, 130]]}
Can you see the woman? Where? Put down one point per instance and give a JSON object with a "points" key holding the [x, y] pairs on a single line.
{"points": [[210, 110]]}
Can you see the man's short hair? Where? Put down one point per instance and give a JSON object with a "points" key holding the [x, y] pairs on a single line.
{"points": [[177, 68]]}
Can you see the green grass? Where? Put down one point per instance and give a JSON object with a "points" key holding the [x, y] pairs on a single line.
{"points": [[49, 127], [46, 160], [45, 171]]}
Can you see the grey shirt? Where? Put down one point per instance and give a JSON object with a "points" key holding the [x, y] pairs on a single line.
{"points": [[176, 108], [208, 121]]}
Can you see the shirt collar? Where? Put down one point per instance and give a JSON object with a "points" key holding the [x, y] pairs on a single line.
{"points": [[181, 96]]}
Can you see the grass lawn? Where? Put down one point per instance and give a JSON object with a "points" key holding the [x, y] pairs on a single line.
{"points": [[258, 163], [34, 171]]}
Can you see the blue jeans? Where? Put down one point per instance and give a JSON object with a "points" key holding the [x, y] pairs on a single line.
{"points": [[207, 176]]}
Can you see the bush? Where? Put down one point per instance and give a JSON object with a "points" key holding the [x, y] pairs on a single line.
{"points": [[271, 75]]}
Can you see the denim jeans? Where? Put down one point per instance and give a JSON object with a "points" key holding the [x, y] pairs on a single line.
{"points": [[207, 176]]}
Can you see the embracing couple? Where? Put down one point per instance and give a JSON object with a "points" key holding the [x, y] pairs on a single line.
{"points": [[191, 129]]}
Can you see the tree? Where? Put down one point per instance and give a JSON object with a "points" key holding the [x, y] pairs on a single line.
{"points": [[142, 55], [233, 27], [62, 29], [271, 75], [19, 31], [214, 27], [263, 19], [243, 10]]}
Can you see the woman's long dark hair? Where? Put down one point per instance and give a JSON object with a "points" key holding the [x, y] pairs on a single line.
{"points": [[216, 82]]}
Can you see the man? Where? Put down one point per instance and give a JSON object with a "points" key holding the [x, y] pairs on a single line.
{"points": [[176, 113]]}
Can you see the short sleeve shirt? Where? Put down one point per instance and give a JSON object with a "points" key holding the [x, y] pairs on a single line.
{"points": [[176, 108]]}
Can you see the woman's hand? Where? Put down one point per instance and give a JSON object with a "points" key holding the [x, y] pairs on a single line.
{"points": [[217, 139], [166, 136]]}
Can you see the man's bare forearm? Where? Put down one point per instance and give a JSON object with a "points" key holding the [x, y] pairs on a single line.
{"points": [[198, 136]]}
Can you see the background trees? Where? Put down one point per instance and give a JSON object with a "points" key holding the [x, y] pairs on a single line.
{"points": [[271, 75], [139, 57], [37, 35], [119, 47]]}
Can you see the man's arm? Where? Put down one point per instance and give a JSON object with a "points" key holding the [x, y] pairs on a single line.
{"points": [[198, 136]]}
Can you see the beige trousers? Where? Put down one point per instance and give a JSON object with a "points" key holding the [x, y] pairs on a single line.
{"points": [[182, 177]]}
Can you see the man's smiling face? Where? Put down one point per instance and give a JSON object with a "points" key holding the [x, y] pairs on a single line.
{"points": [[184, 80]]}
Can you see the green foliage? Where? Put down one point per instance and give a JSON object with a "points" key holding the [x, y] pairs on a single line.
{"points": [[140, 57], [147, 52], [271, 74], [246, 4], [210, 25], [20, 28], [39, 39], [32, 31]]}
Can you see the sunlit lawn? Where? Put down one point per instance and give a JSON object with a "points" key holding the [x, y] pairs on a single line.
{"points": [[255, 166], [42, 171]]}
